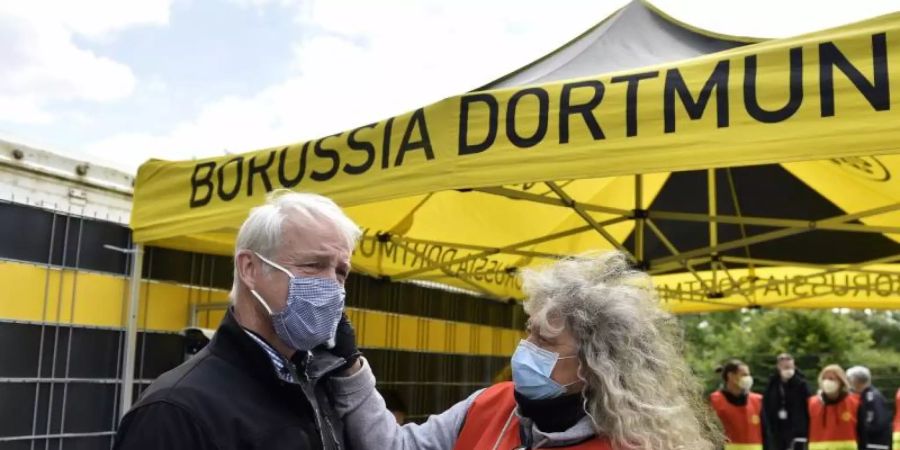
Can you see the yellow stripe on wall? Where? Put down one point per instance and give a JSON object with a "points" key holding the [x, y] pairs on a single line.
{"points": [[99, 300]]}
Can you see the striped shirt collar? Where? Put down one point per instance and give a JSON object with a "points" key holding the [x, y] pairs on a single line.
{"points": [[279, 362]]}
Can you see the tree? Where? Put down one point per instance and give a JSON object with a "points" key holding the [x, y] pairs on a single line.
{"points": [[885, 327], [815, 338]]}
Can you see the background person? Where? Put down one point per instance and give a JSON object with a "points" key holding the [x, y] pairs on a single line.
{"points": [[785, 406], [739, 410], [873, 426], [832, 413], [897, 421]]}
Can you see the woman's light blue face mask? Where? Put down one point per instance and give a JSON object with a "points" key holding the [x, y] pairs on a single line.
{"points": [[531, 370]]}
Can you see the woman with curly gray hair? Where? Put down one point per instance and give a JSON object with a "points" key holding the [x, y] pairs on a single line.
{"points": [[600, 369]]}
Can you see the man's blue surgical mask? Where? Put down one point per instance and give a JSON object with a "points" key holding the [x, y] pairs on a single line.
{"points": [[531, 369], [312, 313]]}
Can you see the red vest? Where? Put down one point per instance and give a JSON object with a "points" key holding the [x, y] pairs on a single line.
{"points": [[742, 423], [897, 422], [833, 427], [491, 412]]}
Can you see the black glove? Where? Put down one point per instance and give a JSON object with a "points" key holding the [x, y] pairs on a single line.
{"points": [[345, 343]]}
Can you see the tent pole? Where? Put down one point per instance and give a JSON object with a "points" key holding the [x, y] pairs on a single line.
{"points": [[672, 249], [693, 217], [771, 222], [737, 210], [580, 210], [669, 267], [713, 226], [137, 262], [735, 285], [773, 235], [770, 262], [520, 195], [639, 219]]}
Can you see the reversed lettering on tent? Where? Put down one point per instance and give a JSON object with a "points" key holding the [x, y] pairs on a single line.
{"points": [[452, 261], [824, 95], [782, 287]]}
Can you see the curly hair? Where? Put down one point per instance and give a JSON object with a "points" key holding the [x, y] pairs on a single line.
{"points": [[639, 391]]}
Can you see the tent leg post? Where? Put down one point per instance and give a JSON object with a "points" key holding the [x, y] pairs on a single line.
{"points": [[137, 262], [193, 314], [713, 225], [639, 220]]}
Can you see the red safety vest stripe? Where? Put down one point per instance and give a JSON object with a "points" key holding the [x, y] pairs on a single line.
{"points": [[835, 423], [742, 423], [491, 412], [897, 415]]}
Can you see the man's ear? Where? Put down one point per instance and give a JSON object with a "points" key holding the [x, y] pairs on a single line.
{"points": [[247, 268]]}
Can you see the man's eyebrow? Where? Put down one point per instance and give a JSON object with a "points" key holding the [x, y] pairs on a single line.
{"points": [[312, 254]]}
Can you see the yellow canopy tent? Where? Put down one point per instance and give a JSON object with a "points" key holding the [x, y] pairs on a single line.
{"points": [[749, 176]]}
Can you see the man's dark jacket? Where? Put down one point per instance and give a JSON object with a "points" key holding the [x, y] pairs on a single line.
{"points": [[873, 422], [792, 397], [229, 396]]}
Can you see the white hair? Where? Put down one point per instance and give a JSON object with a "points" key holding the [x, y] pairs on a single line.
{"points": [[639, 391], [859, 374], [262, 231]]}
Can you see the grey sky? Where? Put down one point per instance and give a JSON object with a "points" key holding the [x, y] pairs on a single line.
{"points": [[121, 81]]}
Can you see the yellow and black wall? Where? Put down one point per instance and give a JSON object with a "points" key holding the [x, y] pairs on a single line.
{"points": [[62, 311]]}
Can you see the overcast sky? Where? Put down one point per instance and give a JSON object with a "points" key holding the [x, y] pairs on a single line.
{"points": [[121, 81]]}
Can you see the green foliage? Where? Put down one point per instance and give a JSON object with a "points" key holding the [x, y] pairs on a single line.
{"points": [[815, 338], [885, 328], [882, 363]]}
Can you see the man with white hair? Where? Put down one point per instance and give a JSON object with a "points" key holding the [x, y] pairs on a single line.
{"points": [[873, 426], [262, 381]]}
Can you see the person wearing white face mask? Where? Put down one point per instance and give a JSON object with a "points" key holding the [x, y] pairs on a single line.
{"points": [[833, 412], [260, 383], [785, 407], [739, 409], [600, 369]]}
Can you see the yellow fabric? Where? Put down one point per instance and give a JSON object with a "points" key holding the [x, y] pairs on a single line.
{"points": [[856, 184], [836, 445], [897, 439], [743, 446], [97, 299], [53, 295], [782, 287], [410, 175], [487, 220]]}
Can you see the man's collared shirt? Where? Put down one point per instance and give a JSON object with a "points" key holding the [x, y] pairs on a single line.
{"points": [[279, 363]]}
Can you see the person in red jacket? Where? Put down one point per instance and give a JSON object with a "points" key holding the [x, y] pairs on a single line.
{"points": [[897, 421], [833, 412], [739, 409]]}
